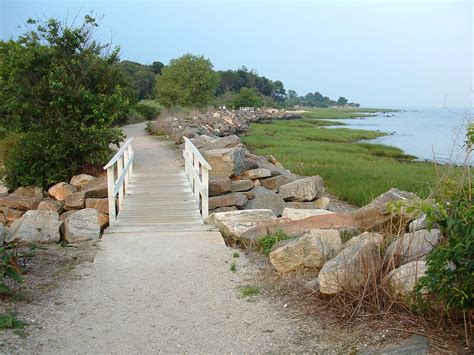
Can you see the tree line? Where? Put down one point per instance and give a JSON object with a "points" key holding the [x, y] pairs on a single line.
{"points": [[190, 80]]}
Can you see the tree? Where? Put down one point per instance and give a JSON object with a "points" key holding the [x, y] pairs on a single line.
{"points": [[63, 91], [342, 101], [141, 78], [187, 81], [157, 67], [278, 91], [247, 97]]}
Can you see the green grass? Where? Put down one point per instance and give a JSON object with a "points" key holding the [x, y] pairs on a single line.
{"points": [[233, 267], [9, 321], [342, 113], [356, 172], [249, 291], [236, 255], [265, 243]]}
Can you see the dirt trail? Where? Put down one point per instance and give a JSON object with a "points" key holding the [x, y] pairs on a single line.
{"points": [[160, 293]]}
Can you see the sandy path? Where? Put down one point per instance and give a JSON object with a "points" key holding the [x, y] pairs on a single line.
{"points": [[159, 293]]}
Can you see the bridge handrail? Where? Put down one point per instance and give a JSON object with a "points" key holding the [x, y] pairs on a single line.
{"points": [[122, 163], [197, 171]]}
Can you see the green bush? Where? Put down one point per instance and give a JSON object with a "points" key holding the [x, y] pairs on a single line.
{"points": [[134, 116], [148, 109], [247, 97], [9, 268], [64, 91]]}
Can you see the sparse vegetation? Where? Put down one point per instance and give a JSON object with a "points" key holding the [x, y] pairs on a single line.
{"points": [[233, 266], [265, 243], [236, 255], [249, 290], [10, 321]]}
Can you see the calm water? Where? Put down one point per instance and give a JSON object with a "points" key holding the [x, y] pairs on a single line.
{"points": [[421, 132]]}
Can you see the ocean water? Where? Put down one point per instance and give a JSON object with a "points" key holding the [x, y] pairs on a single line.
{"points": [[427, 133]]}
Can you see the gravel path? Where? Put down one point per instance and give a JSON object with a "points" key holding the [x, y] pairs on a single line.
{"points": [[159, 293]]}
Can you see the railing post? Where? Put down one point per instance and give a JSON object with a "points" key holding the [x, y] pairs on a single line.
{"points": [[196, 184], [130, 154], [119, 173], [205, 193], [127, 177], [111, 195]]}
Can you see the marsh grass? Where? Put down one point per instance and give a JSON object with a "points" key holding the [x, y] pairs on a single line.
{"points": [[354, 171]]}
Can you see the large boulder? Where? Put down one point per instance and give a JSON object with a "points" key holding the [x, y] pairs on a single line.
{"points": [[296, 214], [377, 213], [81, 180], [413, 246], [35, 227], [100, 204], [97, 188], [351, 268], [233, 199], [241, 185], [258, 173], [274, 183], [50, 204], [266, 199], [82, 225], [61, 190], [12, 215], [234, 225], [75, 201], [402, 281], [219, 185], [20, 202], [306, 189], [208, 143], [225, 162], [311, 251], [253, 161]]}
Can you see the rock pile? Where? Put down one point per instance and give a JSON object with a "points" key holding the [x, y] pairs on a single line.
{"points": [[73, 211], [222, 123], [240, 180]]}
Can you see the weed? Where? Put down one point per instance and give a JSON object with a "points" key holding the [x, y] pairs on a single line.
{"points": [[233, 267], [249, 290], [265, 243], [236, 255], [10, 321]]}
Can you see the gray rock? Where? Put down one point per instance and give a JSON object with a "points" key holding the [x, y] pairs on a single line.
{"points": [[81, 180], [97, 188], [50, 204], [414, 345], [402, 281], [281, 243], [417, 224], [234, 225], [35, 227], [82, 225], [256, 174], [296, 214], [376, 212], [266, 199], [225, 162], [413, 246], [223, 209], [312, 285], [323, 202], [205, 142], [350, 269], [20, 202], [275, 182], [312, 250], [241, 185], [75, 201], [306, 189], [219, 185], [233, 199]]}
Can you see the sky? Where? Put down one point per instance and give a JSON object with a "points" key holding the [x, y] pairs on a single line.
{"points": [[377, 53]]}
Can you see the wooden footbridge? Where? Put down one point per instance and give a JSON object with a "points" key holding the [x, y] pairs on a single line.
{"points": [[156, 198]]}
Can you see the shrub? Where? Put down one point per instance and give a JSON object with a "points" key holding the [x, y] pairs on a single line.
{"points": [[148, 109], [247, 97], [134, 116], [65, 91]]}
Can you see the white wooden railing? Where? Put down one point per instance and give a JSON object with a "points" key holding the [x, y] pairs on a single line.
{"points": [[119, 171], [197, 170]]}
